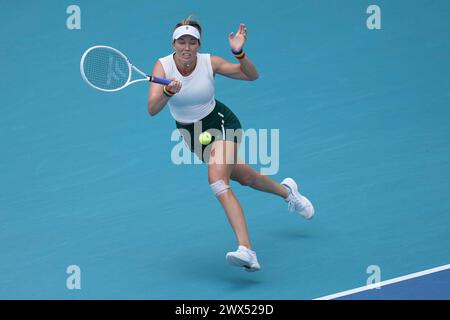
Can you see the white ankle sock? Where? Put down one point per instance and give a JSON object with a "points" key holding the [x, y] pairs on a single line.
{"points": [[288, 190]]}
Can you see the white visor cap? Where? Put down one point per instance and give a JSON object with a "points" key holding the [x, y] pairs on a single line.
{"points": [[186, 30]]}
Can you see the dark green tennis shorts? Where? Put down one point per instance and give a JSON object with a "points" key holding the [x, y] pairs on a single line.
{"points": [[221, 123]]}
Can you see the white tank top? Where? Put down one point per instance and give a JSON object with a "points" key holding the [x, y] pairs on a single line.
{"points": [[196, 98]]}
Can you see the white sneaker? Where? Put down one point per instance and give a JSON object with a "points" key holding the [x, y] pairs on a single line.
{"points": [[244, 257], [297, 202]]}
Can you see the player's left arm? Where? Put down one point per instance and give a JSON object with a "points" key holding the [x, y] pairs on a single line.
{"points": [[245, 70]]}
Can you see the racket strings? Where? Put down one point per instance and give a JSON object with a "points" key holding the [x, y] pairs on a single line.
{"points": [[106, 69]]}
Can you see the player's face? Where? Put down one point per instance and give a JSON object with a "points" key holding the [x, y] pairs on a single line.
{"points": [[186, 48]]}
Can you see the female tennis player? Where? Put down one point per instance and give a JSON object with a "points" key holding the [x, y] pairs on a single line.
{"points": [[191, 100]]}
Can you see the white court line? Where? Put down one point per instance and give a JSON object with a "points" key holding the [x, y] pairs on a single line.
{"points": [[384, 283]]}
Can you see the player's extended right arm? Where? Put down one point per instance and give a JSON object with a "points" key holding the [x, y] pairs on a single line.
{"points": [[156, 97]]}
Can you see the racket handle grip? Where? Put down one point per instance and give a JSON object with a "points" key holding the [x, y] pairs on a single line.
{"points": [[160, 80]]}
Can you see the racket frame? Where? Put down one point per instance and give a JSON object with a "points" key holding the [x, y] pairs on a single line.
{"points": [[130, 68]]}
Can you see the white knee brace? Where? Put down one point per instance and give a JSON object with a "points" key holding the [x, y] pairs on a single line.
{"points": [[219, 187]]}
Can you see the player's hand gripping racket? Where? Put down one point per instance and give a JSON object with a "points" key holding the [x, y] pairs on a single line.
{"points": [[107, 69]]}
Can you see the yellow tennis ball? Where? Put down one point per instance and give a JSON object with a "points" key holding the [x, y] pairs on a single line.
{"points": [[205, 138]]}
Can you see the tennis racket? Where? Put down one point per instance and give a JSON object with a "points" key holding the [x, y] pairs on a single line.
{"points": [[107, 69]]}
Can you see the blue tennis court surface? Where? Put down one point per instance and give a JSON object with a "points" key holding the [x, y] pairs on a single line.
{"points": [[86, 178], [433, 284]]}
